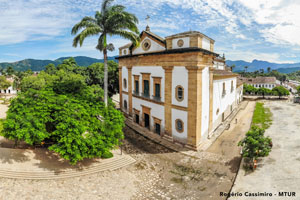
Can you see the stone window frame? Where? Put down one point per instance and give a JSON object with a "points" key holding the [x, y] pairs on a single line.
{"points": [[124, 83], [176, 93], [146, 76], [144, 43], [136, 78], [137, 112], [156, 121], [146, 110], [176, 127], [156, 80]]}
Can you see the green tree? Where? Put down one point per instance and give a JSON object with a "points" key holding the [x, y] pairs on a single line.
{"points": [[246, 67], [232, 67], [50, 69], [35, 82], [283, 77], [264, 91], [66, 114], [255, 144], [280, 91], [269, 69], [95, 76], [10, 71], [4, 84], [249, 89], [111, 20], [298, 89]]}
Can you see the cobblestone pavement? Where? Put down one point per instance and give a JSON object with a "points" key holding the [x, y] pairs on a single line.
{"points": [[159, 173], [279, 172]]}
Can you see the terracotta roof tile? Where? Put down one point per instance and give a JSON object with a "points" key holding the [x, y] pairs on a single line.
{"points": [[258, 80]]}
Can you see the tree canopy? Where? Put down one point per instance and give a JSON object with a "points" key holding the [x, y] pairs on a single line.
{"points": [[60, 109], [276, 91], [255, 144], [93, 74], [112, 20], [4, 84], [280, 91]]}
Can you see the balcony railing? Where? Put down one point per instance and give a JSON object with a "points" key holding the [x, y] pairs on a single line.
{"points": [[147, 96], [155, 98]]}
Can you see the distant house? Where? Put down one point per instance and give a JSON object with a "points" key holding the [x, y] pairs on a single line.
{"points": [[290, 86], [260, 82], [10, 89]]}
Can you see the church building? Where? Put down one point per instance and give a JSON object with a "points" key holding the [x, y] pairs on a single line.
{"points": [[177, 87]]}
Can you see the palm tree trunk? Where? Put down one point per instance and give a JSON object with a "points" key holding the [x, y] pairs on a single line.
{"points": [[105, 76]]}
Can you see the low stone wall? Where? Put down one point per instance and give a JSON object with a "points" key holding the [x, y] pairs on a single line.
{"points": [[255, 98]]}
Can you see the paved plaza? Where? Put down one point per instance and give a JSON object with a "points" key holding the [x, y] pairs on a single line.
{"points": [[279, 172]]}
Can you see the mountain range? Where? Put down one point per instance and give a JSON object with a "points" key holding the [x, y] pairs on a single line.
{"points": [[38, 65], [259, 64]]}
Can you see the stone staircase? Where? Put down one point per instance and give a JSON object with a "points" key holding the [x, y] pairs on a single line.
{"points": [[109, 164]]}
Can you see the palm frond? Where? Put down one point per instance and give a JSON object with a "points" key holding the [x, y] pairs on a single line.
{"points": [[100, 45], [122, 20], [85, 22], [89, 31], [127, 35], [105, 5]]}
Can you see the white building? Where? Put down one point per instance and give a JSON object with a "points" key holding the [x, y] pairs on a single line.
{"points": [[10, 89], [177, 86], [259, 82]]}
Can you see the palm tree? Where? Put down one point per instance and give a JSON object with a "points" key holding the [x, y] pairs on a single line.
{"points": [[246, 67], [232, 67], [269, 69], [111, 20]]}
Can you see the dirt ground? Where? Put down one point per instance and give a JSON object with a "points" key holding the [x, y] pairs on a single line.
{"points": [[279, 172], [3, 109], [159, 173]]}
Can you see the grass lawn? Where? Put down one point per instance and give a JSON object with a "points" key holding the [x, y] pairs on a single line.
{"points": [[262, 116], [1, 126]]}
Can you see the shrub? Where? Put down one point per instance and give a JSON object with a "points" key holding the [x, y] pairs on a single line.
{"points": [[255, 144], [67, 114]]}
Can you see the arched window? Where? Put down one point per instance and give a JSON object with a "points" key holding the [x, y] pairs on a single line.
{"points": [[179, 125], [125, 83], [179, 93]]}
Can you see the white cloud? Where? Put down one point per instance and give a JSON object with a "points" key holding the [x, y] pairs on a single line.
{"points": [[232, 21], [281, 18], [27, 20]]}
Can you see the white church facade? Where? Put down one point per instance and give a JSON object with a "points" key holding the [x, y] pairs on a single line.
{"points": [[177, 87]]}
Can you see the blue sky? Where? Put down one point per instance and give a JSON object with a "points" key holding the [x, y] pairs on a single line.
{"points": [[243, 29]]}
